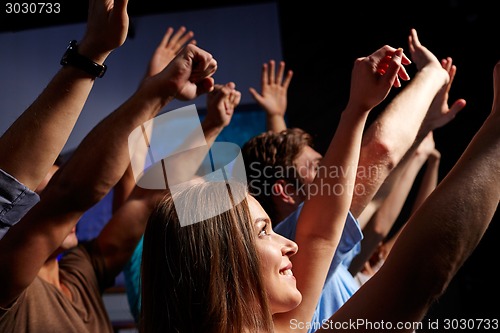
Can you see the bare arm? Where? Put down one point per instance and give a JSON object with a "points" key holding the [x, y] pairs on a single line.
{"points": [[95, 167], [430, 179], [273, 98], [323, 215], [221, 103], [121, 234], [170, 45], [37, 137], [428, 184], [401, 125], [415, 275], [383, 220]]}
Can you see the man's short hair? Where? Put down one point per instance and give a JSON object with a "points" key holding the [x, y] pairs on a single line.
{"points": [[269, 157]]}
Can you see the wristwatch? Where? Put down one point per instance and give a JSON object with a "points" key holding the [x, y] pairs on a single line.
{"points": [[73, 58]]}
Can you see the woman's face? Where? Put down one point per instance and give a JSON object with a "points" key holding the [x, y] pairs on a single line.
{"points": [[275, 251]]}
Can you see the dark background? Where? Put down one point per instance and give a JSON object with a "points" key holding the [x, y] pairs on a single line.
{"points": [[321, 40]]}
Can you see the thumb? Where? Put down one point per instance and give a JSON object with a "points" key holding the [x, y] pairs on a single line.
{"points": [[457, 106]]}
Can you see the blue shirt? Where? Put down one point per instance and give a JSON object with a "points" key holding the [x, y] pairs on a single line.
{"points": [[15, 201], [340, 285]]}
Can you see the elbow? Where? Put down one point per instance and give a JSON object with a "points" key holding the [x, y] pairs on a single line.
{"points": [[380, 153]]}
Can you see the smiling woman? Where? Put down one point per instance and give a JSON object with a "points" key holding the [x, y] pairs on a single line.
{"points": [[204, 277]]}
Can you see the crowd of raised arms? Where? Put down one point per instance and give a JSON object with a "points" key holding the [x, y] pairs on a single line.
{"points": [[266, 253]]}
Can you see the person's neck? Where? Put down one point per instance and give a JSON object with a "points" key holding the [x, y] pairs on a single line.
{"points": [[50, 272]]}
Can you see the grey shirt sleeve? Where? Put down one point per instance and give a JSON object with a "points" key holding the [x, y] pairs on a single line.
{"points": [[15, 201]]}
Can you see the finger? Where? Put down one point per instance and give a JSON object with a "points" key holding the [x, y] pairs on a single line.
{"points": [[272, 66], [414, 37], [231, 98], [405, 60], [394, 67], [225, 92], [397, 83], [288, 79], [447, 64], [166, 37], [264, 78], [203, 66], [281, 72], [452, 72], [205, 85], [237, 97], [403, 74], [218, 86], [413, 41], [255, 95], [456, 107], [444, 63], [184, 39], [175, 38]]}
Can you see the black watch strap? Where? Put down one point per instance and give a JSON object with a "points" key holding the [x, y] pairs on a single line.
{"points": [[73, 58]]}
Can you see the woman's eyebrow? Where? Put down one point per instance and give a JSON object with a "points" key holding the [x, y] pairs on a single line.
{"points": [[259, 219]]}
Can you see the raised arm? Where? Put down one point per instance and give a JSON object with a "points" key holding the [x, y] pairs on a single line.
{"points": [[322, 218], [121, 234], [35, 139], [170, 45], [221, 103], [273, 98], [429, 180], [419, 108], [94, 168], [384, 218], [415, 274], [427, 185]]}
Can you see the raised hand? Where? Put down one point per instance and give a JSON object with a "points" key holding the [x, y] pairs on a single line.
{"points": [[421, 55], [373, 77], [221, 103], [440, 113], [274, 89], [107, 28], [168, 48], [187, 76]]}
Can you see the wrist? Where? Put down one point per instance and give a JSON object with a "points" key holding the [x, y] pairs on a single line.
{"points": [[210, 128], [356, 110], [275, 115], [86, 49], [439, 74]]}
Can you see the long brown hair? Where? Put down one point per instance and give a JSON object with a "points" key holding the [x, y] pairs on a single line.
{"points": [[203, 277]]}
